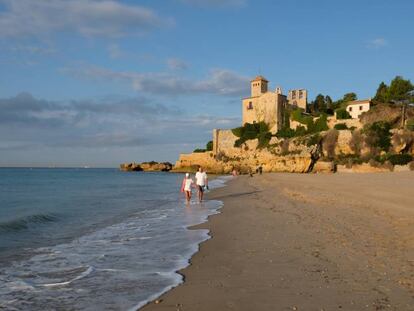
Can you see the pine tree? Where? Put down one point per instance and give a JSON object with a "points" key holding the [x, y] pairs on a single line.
{"points": [[399, 89], [382, 93]]}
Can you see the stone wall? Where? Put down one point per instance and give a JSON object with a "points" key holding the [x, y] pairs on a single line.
{"points": [[332, 121], [190, 161], [223, 141]]}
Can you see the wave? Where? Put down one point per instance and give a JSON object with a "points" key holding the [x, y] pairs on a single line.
{"points": [[24, 223], [83, 274]]}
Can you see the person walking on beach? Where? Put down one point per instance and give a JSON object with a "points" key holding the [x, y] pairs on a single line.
{"points": [[186, 186], [201, 182]]}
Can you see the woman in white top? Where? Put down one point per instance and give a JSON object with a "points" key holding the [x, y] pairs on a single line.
{"points": [[188, 183]]}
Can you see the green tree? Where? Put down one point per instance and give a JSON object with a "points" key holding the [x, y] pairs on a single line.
{"points": [[209, 146], [329, 104], [399, 89], [349, 97], [320, 104], [382, 93]]}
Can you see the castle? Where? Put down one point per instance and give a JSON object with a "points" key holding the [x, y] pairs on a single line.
{"points": [[271, 107], [267, 106]]}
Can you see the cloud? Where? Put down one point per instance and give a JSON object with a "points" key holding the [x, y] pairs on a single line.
{"points": [[27, 110], [217, 82], [27, 123], [216, 3], [377, 43], [106, 18], [177, 64]]}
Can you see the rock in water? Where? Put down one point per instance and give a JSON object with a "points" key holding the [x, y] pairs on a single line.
{"points": [[147, 166]]}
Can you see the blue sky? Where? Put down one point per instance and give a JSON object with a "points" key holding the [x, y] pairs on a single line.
{"points": [[99, 82]]}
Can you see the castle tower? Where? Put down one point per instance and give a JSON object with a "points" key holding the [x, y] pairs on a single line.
{"points": [[258, 86], [278, 90]]}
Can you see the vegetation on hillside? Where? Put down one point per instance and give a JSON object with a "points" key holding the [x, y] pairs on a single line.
{"points": [[251, 131], [310, 125]]}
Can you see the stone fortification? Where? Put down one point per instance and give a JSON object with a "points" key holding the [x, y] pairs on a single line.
{"points": [[295, 158], [296, 155]]}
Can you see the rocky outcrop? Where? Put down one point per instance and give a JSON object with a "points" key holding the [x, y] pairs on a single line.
{"points": [[147, 167], [130, 167], [295, 158], [156, 166]]}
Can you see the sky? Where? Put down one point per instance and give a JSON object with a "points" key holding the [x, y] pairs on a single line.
{"points": [[101, 82]]}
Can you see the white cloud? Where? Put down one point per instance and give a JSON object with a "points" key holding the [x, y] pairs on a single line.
{"points": [[217, 82], [87, 17], [216, 3], [29, 126], [177, 64], [377, 43]]}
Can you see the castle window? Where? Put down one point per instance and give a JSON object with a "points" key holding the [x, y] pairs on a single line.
{"points": [[300, 94], [360, 107], [250, 106], [350, 108]]}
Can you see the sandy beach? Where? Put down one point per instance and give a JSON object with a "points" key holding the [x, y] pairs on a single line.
{"points": [[305, 242]]}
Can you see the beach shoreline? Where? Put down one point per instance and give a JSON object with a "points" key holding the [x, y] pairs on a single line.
{"points": [[304, 242]]}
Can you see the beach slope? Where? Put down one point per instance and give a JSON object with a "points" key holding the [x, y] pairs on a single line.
{"points": [[305, 242]]}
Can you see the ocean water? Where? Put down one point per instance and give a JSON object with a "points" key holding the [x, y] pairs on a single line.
{"points": [[94, 239]]}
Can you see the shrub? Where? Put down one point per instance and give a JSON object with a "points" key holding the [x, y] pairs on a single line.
{"points": [[411, 165], [298, 116], [285, 133], [329, 143], [342, 114], [252, 131], [374, 163], [318, 125], [199, 150], [239, 142], [209, 146], [264, 139], [378, 135], [400, 159], [340, 126], [315, 139], [238, 131], [300, 131]]}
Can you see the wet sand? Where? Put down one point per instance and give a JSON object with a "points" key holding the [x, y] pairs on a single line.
{"points": [[305, 242]]}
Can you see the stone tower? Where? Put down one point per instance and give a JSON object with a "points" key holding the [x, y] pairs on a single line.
{"points": [[258, 86]]}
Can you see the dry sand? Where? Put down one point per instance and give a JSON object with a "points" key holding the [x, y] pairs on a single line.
{"points": [[305, 242]]}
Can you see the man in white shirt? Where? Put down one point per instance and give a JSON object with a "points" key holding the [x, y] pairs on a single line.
{"points": [[201, 182]]}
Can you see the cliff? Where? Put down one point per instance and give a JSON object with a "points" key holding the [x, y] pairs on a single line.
{"points": [[348, 150]]}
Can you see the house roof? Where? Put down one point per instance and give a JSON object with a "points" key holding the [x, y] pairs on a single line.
{"points": [[359, 102], [260, 78]]}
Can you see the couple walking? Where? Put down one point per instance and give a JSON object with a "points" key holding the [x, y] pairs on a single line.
{"points": [[201, 184]]}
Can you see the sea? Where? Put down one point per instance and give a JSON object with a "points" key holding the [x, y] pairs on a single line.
{"points": [[94, 239]]}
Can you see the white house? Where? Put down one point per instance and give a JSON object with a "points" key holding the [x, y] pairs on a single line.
{"points": [[357, 107]]}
